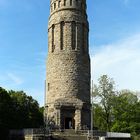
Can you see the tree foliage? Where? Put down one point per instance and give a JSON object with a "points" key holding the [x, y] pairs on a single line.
{"points": [[117, 111], [5, 112], [126, 113], [17, 111], [105, 92]]}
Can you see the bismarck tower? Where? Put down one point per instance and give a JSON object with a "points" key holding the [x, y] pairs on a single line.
{"points": [[68, 66]]}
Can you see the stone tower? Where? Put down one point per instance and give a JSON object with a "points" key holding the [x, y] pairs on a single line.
{"points": [[68, 66]]}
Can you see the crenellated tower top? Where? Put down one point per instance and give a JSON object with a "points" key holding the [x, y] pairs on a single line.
{"points": [[57, 5], [68, 26]]}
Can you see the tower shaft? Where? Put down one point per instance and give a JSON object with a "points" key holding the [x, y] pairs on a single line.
{"points": [[68, 65]]}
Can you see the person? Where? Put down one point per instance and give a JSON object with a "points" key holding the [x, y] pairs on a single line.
{"points": [[70, 124]]}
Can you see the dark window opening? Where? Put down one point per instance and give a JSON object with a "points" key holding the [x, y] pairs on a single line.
{"points": [[54, 6], [73, 39], [59, 2], [83, 38], [77, 2], [70, 2], [53, 46], [61, 35], [64, 2], [48, 86], [81, 5]]}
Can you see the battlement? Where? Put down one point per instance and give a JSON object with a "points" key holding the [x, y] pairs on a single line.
{"points": [[67, 4]]}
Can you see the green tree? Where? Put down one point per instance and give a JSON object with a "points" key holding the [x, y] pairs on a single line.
{"points": [[5, 113], [126, 113], [98, 117], [26, 110], [18, 111], [105, 92], [115, 110]]}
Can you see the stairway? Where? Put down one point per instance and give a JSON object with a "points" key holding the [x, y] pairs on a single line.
{"points": [[68, 135]]}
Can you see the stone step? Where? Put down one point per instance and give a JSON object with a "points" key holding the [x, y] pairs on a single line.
{"points": [[65, 137], [65, 132]]}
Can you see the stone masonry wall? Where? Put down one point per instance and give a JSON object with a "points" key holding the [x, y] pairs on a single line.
{"points": [[68, 63]]}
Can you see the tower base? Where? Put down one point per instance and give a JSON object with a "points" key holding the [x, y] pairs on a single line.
{"points": [[69, 115]]}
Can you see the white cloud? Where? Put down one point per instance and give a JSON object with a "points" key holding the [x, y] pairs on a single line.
{"points": [[14, 79], [10, 80], [120, 61]]}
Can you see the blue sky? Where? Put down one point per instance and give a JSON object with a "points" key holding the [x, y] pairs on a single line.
{"points": [[114, 43]]}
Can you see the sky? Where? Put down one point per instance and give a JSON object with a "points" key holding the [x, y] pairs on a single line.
{"points": [[114, 42]]}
